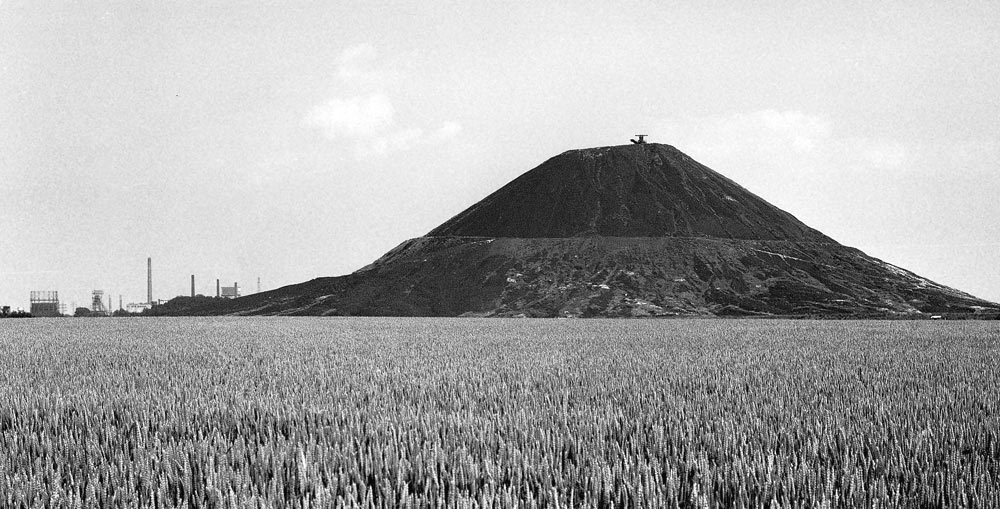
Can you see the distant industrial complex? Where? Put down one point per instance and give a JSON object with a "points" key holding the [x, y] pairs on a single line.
{"points": [[46, 303]]}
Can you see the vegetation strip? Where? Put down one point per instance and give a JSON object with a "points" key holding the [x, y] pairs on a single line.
{"points": [[279, 412]]}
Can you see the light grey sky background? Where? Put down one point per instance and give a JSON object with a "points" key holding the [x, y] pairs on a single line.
{"points": [[292, 140]]}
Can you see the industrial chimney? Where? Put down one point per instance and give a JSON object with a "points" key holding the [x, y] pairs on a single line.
{"points": [[149, 280], [192, 285], [218, 289]]}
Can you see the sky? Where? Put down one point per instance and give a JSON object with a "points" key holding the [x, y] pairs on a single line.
{"points": [[292, 140]]}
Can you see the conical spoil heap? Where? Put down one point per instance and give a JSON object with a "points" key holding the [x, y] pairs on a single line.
{"points": [[634, 230]]}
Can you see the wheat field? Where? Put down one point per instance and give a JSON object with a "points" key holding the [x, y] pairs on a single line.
{"points": [[356, 412]]}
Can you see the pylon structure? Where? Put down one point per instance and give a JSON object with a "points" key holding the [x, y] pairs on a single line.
{"points": [[97, 303]]}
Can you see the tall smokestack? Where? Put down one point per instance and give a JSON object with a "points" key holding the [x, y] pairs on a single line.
{"points": [[236, 289], [149, 280], [192, 285], [218, 291]]}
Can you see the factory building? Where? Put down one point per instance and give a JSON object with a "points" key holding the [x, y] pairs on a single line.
{"points": [[45, 304], [137, 307], [230, 292]]}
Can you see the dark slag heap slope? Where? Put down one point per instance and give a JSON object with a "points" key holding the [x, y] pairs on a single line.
{"points": [[634, 230]]}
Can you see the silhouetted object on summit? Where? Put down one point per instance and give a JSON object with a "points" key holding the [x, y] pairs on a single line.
{"points": [[641, 140]]}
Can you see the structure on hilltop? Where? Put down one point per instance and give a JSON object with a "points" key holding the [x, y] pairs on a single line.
{"points": [[633, 230]]}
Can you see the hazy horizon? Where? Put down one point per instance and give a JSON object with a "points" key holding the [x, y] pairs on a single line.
{"points": [[294, 141]]}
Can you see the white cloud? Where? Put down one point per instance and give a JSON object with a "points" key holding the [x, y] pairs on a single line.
{"points": [[782, 143], [367, 121], [794, 159], [762, 132], [396, 141], [402, 140], [353, 117]]}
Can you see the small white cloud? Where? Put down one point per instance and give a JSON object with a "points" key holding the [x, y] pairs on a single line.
{"points": [[802, 132], [397, 141], [785, 142], [353, 117], [403, 140], [368, 121], [766, 132]]}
